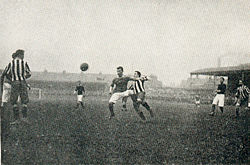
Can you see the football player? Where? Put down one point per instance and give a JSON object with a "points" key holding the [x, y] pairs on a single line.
{"points": [[242, 97], [220, 97], [118, 89], [197, 101], [19, 71], [80, 93], [138, 97]]}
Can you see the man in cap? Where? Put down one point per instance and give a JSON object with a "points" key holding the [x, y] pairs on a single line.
{"points": [[18, 71]]}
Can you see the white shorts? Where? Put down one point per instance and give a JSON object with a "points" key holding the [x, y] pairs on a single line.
{"points": [[6, 92], [219, 100], [197, 102], [79, 97], [117, 96]]}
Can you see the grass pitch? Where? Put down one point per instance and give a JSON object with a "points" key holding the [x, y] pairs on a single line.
{"points": [[180, 133]]}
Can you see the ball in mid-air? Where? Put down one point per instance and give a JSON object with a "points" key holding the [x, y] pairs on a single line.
{"points": [[84, 66]]}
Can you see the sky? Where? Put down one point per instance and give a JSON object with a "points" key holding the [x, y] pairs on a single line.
{"points": [[167, 38]]}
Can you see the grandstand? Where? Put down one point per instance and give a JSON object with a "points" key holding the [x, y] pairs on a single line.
{"points": [[233, 74]]}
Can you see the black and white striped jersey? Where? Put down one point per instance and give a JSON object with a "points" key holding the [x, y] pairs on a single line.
{"points": [[138, 85], [17, 70], [243, 92]]}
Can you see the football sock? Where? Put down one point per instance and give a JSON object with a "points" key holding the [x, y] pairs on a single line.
{"points": [[24, 111], [111, 109], [145, 104], [142, 116], [136, 106], [237, 111], [2, 110], [16, 113], [2, 113], [4, 122], [82, 104], [213, 108], [221, 109]]}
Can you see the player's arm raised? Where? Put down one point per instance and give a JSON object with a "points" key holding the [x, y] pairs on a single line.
{"points": [[145, 78], [133, 78]]}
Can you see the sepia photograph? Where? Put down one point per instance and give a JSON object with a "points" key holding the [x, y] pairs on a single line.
{"points": [[124, 82]]}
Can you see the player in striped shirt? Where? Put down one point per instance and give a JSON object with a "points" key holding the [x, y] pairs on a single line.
{"points": [[138, 97], [242, 97], [18, 71]]}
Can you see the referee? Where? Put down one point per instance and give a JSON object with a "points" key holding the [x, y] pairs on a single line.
{"points": [[17, 71]]}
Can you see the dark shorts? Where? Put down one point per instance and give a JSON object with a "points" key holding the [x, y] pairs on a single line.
{"points": [[242, 102], [19, 88], [136, 97]]}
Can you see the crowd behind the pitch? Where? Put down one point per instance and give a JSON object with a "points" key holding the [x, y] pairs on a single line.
{"points": [[17, 71]]}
